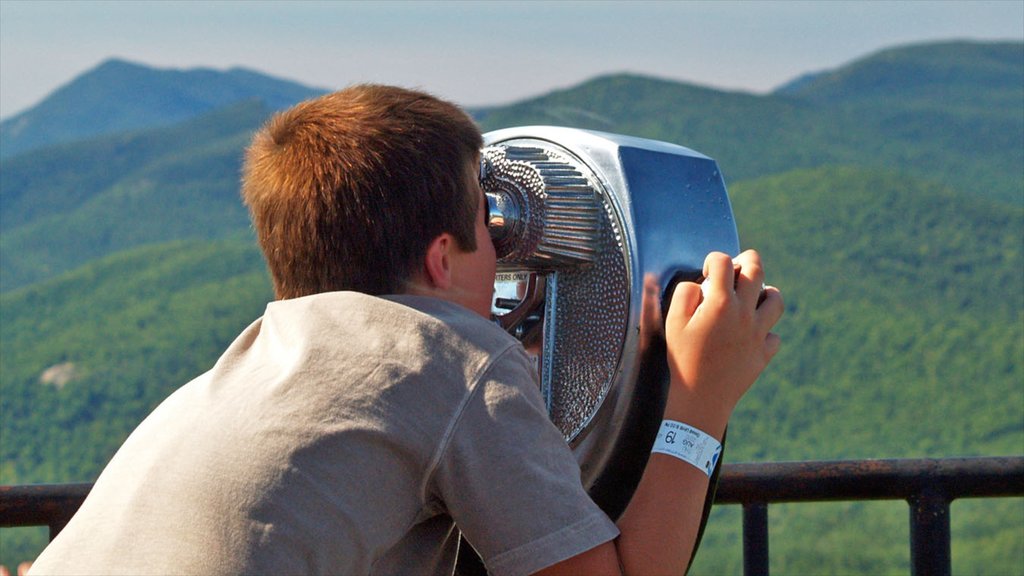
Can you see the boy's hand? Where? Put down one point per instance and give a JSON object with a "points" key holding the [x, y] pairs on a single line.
{"points": [[719, 338]]}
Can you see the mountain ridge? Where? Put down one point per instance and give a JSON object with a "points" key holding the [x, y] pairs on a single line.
{"points": [[918, 70], [749, 135], [152, 186], [94, 103], [975, 148]]}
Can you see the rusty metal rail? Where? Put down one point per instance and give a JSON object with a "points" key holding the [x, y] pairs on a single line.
{"points": [[928, 485], [50, 505]]}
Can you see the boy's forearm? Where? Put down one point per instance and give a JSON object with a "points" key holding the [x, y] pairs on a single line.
{"points": [[660, 525]]}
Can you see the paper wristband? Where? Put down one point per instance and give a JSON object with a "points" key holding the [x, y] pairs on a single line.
{"points": [[688, 444]]}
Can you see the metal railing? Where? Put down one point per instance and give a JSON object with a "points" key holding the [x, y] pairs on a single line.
{"points": [[928, 485]]}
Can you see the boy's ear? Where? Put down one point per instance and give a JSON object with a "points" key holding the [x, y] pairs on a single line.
{"points": [[438, 262]]}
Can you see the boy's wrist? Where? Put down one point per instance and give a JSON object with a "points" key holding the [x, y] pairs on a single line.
{"points": [[709, 415]]}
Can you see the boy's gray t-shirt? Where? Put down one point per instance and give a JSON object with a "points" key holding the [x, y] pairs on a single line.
{"points": [[342, 434]]}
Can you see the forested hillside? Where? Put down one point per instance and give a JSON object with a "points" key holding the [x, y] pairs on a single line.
{"points": [[88, 354], [69, 204], [951, 75], [888, 280], [894, 227], [903, 337]]}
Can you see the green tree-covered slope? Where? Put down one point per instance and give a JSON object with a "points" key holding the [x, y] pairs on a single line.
{"points": [[966, 98], [970, 75], [963, 129], [84, 357], [888, 280], [66, 205], [117, 336], [903, 337]]}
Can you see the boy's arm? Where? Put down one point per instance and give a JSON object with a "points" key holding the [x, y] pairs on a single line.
{"points": [[719, 340]]}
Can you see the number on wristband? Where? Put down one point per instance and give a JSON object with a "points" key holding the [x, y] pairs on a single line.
{"points": [[688, 444]]}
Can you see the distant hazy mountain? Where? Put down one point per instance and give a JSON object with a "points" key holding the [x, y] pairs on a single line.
{"points": [[117, 96], [949, 74]]}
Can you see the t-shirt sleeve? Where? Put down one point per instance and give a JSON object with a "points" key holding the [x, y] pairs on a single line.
{"points": [[510, 481]]}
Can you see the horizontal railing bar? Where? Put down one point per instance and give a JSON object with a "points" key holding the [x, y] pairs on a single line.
{"points": [[870, 479], [50, 505], [38, 504], [762, 482]]}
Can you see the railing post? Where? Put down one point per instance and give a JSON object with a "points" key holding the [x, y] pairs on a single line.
{"points": [[929, 534], [755, 539]]}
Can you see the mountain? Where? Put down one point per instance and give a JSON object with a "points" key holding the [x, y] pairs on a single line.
{"points": [[950, 74], [962, 101], [969, 135], [891, 216], [119, 96], [65, 205], [122, 333], [749, 135], [903, 337], [61, 206], [924, 277]]}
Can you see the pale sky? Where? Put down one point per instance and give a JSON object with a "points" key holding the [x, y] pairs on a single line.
{"points": [[476, 53]]}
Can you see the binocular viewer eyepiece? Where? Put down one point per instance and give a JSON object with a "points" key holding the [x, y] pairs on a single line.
{"points": [[592, 231], [543, 209]]}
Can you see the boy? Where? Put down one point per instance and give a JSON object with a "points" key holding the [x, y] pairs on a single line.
{"points": [[375, 411]]}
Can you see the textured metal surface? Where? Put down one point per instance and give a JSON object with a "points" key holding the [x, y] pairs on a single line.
{"points": [[569, 229], [557, 215], [591, 313]]}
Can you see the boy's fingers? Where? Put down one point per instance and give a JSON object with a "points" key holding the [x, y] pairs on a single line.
{"points": [[685, 299], [771, 307], [749, 277], [719, 274]]}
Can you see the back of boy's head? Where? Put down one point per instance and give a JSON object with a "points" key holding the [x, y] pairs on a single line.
{"points": [[347, 190]]}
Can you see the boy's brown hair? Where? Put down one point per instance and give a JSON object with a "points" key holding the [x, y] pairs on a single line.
{"points": [[347, 190]]}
